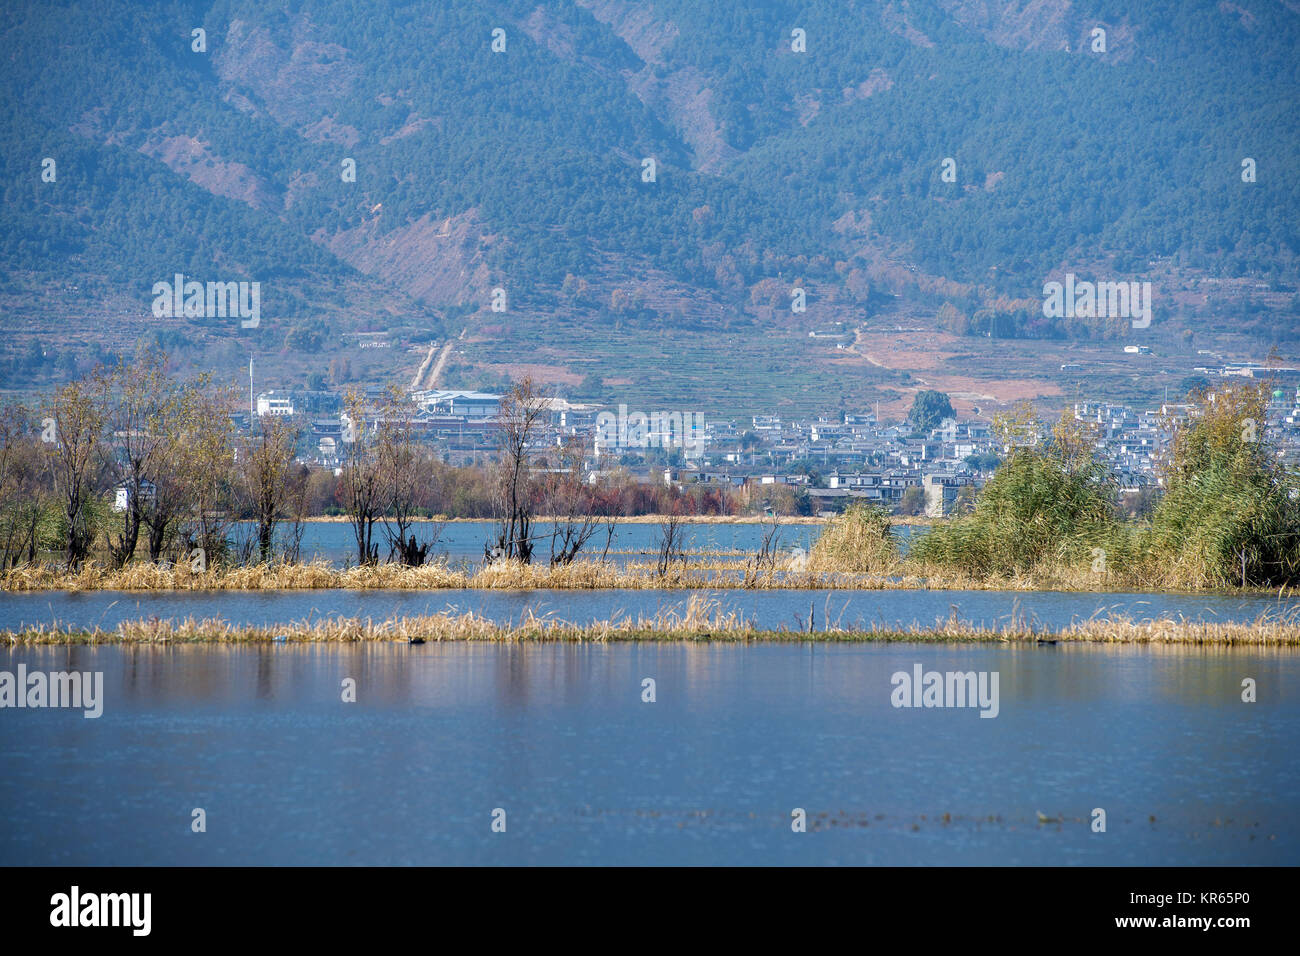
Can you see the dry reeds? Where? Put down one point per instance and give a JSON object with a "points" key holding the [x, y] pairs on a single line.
{"points": [[255, 577], [715, 573], [699, 619], [857, 541]]}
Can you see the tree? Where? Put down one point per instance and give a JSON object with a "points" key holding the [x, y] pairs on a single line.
{"points": [[929, 409], [296, 498], [264, 473], [208, 470], [984, 461], [1073, 442], [22, 493], [592, 386], [78, 425], [140, 410], [1231, 512], [522, 416], [408, 480], [191, 428], [309, 337], [568, 501], [362, 482], [340, 370], [952, 319], [913, 501]]}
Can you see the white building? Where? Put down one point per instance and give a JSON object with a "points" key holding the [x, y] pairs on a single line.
{"points": [[458, 404], [276, 404], [122, 494]]}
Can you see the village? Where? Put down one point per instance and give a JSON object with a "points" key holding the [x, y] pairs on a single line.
{"points": [[831, 461]]}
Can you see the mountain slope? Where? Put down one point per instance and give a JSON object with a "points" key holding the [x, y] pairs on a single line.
{"points": [[524, 170]]}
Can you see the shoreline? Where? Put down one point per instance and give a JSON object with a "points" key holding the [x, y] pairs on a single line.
{"points": [[638, 519], [911, 520]]}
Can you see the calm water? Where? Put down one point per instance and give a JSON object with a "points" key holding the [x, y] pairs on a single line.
{"points": [[774, 608], [459, 541], [559, 738]]}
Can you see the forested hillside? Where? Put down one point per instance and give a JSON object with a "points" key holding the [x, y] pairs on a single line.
{"points": [[930, 159]]}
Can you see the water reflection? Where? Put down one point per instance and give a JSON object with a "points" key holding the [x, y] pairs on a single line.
{"points": [[463, 541], [767, 608], [738, 735]]}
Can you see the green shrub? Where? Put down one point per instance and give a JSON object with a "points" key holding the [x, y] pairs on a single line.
{"points": [[1228, 498], [1047, 507]]}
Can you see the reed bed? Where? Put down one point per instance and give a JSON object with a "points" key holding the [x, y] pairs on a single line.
{"points": [[700, 619], [712, 574], [258, 577]]}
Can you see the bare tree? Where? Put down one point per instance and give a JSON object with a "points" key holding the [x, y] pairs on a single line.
{"points": [[76, 420], [610, 524], [522, 416], [295, 511], [671, 542], [265, 469], [569, 503], [409, 481], [764, 559], [140, 409], [362, 481]]}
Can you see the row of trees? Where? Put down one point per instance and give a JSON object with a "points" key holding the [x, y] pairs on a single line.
{"points": [[163, 450], [578, 509], [167, 455], [130, 463]]}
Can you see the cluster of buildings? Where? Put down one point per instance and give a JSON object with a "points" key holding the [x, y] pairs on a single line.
{"points": [[831, 461], [1132, 442]]}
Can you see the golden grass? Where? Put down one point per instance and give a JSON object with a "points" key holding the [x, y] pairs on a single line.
{"points": [[259, 577], [715, 572], [701, 619], [857, 541]]}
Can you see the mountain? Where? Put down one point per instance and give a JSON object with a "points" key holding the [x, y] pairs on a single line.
{"points": [[642, 187]]}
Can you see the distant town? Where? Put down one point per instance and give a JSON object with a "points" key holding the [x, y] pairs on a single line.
{"points": [[826, 462]]}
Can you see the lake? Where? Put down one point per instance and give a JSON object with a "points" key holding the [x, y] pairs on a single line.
{"points": [[462, 541], [559, 739], [773, 608]]}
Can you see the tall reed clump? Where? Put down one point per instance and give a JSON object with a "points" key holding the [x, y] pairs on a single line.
{"points": [[1046, 511], [1231, 512], [859, 540]]}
